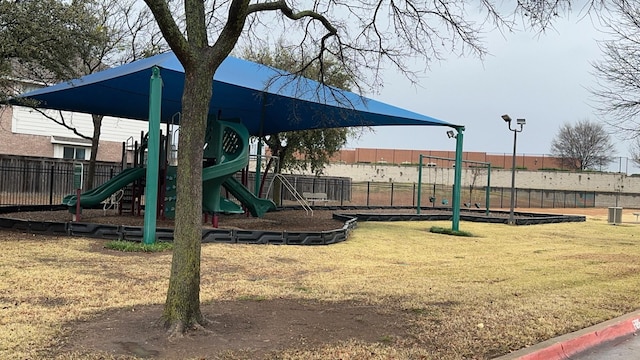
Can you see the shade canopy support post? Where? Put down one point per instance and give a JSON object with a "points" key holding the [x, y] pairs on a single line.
{"points": [[153, 146], [457, 182]]}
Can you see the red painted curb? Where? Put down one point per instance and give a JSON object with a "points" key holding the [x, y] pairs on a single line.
{"points": [[563, 347]]}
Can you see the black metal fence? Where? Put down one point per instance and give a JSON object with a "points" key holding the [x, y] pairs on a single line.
{"points": [[344, 192], [43, 181], [25, 181], [337, 189]]}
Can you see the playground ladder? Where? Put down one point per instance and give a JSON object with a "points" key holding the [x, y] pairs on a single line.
{"points": [[301, 200]]}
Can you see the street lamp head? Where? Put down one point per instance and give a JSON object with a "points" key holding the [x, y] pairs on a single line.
{"points": [[521, 122], [506, 118], [451, 134]]}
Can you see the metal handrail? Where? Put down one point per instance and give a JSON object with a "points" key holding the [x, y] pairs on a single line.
{"points": [[301, 200]]}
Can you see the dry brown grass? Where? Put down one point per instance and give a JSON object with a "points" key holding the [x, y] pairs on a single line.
{"points": [[479, 297]]}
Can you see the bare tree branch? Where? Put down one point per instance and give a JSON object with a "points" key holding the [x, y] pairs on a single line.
{"points": [[172, 33], [617, 90], [62, 121]]}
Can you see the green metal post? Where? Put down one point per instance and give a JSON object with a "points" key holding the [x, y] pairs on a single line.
{"points": [[256, 188], [488, 192], [151, 190], [419, 185], [457, 186]]}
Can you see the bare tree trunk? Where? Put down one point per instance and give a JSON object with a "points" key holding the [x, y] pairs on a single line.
{"points": [[95, 141], [277, 184], [277, 149], [182, 308]]}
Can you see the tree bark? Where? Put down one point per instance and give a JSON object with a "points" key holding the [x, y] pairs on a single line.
{"points": [[95, 140], [200, 61], [182, 307]]}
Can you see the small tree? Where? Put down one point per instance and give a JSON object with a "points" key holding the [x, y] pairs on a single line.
{"points": [[585, 145], [306, 149], [476, 171]]}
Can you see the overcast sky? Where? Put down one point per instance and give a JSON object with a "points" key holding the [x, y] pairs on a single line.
{"points": [[542, 78]]}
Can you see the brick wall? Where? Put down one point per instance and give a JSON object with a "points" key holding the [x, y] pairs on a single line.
{"points": [[21, 144], [397, 156], [109, 151]]}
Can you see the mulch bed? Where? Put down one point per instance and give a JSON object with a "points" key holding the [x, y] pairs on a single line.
{"points": [[285, 220]]}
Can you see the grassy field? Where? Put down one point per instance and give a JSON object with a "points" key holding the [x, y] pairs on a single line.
{"points": [[479, 297]]}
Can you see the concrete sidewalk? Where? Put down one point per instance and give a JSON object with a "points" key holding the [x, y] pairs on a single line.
{"points": [[579, 344]]}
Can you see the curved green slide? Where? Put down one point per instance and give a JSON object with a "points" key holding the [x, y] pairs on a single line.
{"points": [[256, 206], [96, 195], [230, 142]]}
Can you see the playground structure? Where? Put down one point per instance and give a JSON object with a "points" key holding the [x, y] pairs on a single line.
{"points": [[260, 95], [226, 152]]}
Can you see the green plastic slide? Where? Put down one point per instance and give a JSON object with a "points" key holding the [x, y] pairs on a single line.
{"points": [[256, 206], [97, 195], [233, 139]]}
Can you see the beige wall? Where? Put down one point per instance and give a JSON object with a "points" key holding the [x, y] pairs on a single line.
{"points": [[613, 189], [552, 180]]}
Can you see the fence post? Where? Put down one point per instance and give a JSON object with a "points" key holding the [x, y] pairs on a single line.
{"points": [[413, 195], [391, 194], [341, 192], [51, 185], [368, 188]]}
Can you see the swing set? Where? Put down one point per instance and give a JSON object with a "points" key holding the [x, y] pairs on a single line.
{"points": [[433, 165]]}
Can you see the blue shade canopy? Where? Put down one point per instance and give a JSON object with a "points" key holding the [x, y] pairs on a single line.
{"points": [[265, 99]]}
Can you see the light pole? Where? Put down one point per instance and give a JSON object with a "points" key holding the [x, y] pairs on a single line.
{"points": [[515, 130]]}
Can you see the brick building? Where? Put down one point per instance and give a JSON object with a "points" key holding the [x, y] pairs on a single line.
{"points": [[25, 132], [435, 157]]}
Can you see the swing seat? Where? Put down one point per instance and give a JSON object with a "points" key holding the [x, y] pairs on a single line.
{"points": [[445, 202]]}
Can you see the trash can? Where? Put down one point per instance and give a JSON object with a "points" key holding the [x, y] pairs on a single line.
{"points": [[615, 215]]}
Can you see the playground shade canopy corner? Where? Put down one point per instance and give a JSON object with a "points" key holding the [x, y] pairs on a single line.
{"points": [[265, 99]]}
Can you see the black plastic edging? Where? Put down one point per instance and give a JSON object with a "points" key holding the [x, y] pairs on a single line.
{"points": [[234, 236]]}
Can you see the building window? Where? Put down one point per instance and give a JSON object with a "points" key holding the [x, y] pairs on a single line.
{"points": [[71, 148], [76, 153]]}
